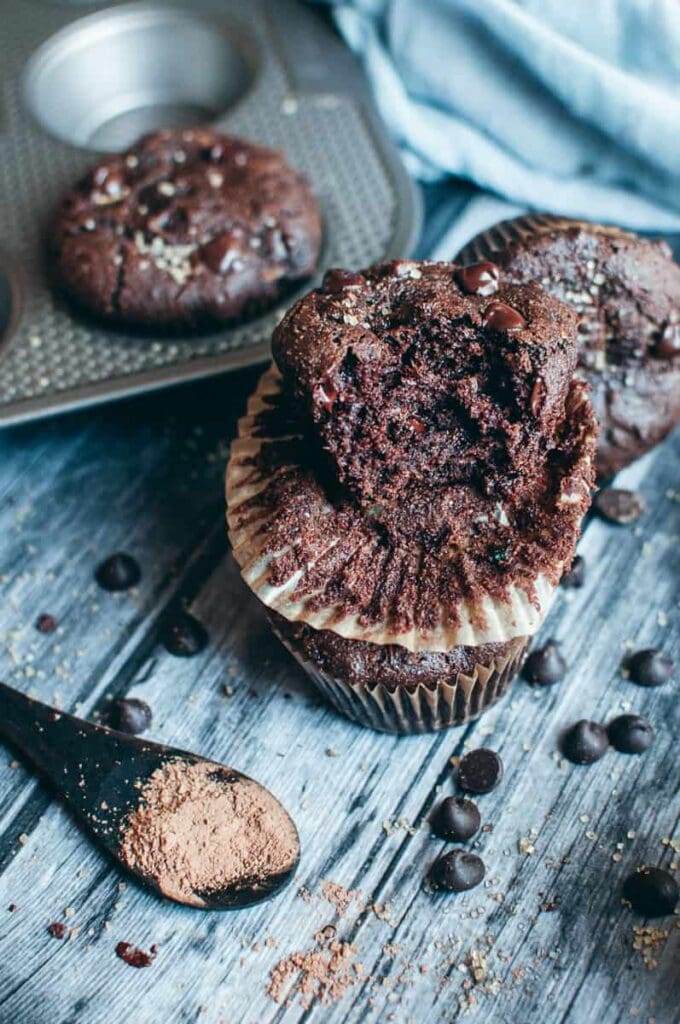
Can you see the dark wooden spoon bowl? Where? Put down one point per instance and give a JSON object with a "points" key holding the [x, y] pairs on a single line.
{"points": [[98, 772]]}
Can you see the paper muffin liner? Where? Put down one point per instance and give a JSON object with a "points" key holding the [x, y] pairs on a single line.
{"points": [[408, 709], [520, 229], [478, 621]]}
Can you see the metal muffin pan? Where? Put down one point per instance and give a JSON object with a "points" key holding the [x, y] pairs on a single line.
{"points": [[81, 79]]}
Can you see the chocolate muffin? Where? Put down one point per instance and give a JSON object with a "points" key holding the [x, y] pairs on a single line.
{"points": [[626, 291], [187, 228], [409, 483]]}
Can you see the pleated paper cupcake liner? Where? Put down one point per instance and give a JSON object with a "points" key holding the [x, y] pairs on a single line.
{"points": [[252, 516], [415, 708]]}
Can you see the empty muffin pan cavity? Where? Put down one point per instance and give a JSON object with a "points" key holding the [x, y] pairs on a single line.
{"points": [[106, 79]]}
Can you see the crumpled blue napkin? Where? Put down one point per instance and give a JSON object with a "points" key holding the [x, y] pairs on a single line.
{"points": [[569, 106]]}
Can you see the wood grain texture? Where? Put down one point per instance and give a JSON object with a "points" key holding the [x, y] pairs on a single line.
{"points": [[146, 477]]}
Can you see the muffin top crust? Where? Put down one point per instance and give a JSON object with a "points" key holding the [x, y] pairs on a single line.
{"points": [[626, 289], [186, 227], [346, 514]]}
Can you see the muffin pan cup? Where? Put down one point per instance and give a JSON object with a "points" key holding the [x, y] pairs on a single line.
{"points": [[78, 80], [415, 709]]}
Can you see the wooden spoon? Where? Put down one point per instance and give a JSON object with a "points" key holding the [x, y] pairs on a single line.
{"points": [[94, 768]]}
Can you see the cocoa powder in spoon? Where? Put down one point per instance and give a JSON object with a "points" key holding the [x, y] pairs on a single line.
{"points": [[199, 828]]}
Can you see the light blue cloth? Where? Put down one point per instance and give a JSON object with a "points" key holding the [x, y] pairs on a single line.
{"points": [[569, 106]]}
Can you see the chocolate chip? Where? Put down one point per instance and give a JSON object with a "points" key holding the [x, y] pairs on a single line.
{"points": [[480, 771], [668, 345], [619, 506], [130, 715], [457, 871], [46, 623], [133, 956], [456, 819], [152, 200], [185, 636], [336, 280], [575, 576], [651, 892], [630, 734], [651, 667], [501, 317], [545, 666], [537, 397], [585, 742], [219, 254], [480, 279], [325, 394], [57, 929], [119, 572]]}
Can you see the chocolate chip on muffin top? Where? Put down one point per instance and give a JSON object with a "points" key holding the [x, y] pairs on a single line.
{"points": [[186, 227]]}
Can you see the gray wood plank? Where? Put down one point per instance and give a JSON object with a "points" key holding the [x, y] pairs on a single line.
{"points": [[103, 480]]}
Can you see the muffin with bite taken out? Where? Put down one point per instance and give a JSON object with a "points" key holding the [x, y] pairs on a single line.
{"points": [[409, 483]]}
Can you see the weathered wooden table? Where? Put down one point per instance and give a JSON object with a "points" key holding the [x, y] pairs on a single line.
{"points": [[545, 938]]}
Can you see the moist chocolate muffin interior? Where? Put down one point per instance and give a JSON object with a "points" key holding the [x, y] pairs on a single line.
{"points": [[429, 404]]}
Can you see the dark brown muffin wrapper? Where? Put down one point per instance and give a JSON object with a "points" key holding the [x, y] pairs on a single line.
{"points": [[487, 243], [408, 708]]}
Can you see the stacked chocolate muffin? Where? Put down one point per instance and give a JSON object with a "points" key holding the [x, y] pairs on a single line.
{"points": [[409, 483]]}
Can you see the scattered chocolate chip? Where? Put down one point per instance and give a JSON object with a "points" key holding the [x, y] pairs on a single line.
{"points": [[456, 819], [185, 636], [501, 317], [630, 734], [480, 771], [651, 892], [585, 742], [651, 667], [133, 956], [119, 572], [575, 576], [457, 871], [548, 906], [57, 929], [480, 279], [619, 506], [545, 666], [668, 345], [46, 623], [12, 907], [130, 715]]}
